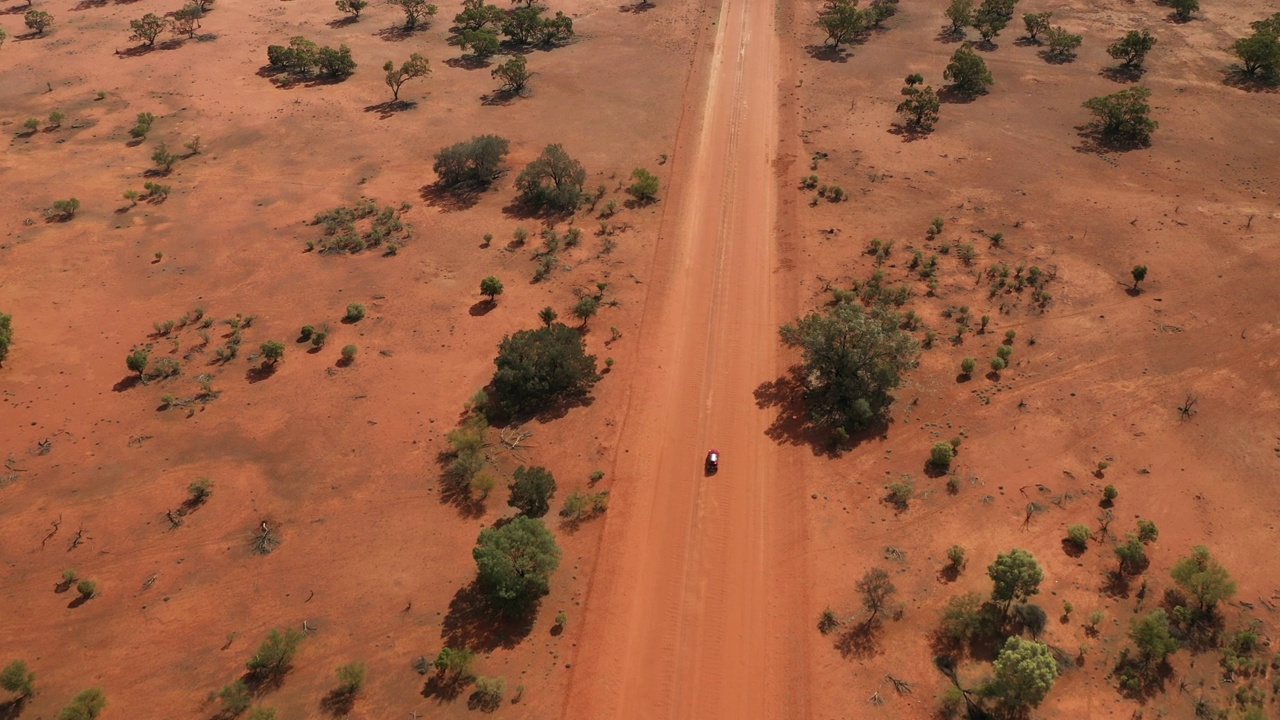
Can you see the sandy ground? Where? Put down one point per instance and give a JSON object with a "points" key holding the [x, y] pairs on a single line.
{"points": [[693, 597]]}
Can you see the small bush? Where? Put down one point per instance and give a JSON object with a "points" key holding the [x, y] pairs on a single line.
{"points": [[901, 492], [307, 331], [956, 556], [319, 338], [941, 455], [1004, 351], [997, 364], [87, 588], [355, 312], [489, 692], [349, 352], [200, 489], [142, 125], [828, 622], [1109, 493], [967, 365], [1078, 535], [272, 351], [1147, 531]]}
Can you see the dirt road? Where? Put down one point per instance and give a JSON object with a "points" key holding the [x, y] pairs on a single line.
{"points": [[687, 614]]}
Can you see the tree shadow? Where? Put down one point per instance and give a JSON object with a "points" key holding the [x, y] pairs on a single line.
{"points": [[859, 641], [909, 133], [1116, 585], [482, 307], [443, 689], [472, 622], [79, 600], [1056, 58], [11, 709], [1236, 77], [829, 53], [484, 702], [398, 33], [1123, 73], [793, 425], [949, 574], [126, 383], [949, 36], [636, 7], [391, 107], [15, 10], [456, 491], [500, 97], [449, 199], [88, 5], [1025, 41], [468, 62], [338, 702], [1071, 549], [343, 21], [951, 96], [258, 373]]}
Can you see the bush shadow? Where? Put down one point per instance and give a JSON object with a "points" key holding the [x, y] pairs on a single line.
{"points": [[338, 702], [951, 96], [88, 5], [500, 97], [258, 373], [390, 108], [1071, 549], [859, 641], [343, 22], [126, 383], [1123, 73], [455, 491], [449, 199], [793, 426], [1056, 58], [829, 53], [949, 36], [468, 62], [909, 133], [636, 7], [398, 33], [472, 622], [1237, 78], [481, 308], [11, 709]]}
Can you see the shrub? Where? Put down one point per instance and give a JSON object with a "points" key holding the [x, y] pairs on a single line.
{"points": [[355, 312], [349, 352], [471, 164], [483, 43], [17, 678], [997, 364], [515, 562], [956, 556], [1139, 273], [828, 622], [585, 308], [87, 705], [1123, 117], [1132, 555], [1147, 531], [275, 654], [1078, 535], [941, 455], [968, 72], [901, 492], [163, 159], [87, 588], [200, 489], [644, 186], [319, 338], [272, 351], [415, 67], [147, 28], [1132, 49], [538, 368], [1062, 44], [1109, 493], [351, 677], [307, 331], [453, 666], [6, 335], [335, 63], [37, 21], [967, 365], [1003, 352], [65, 208], [235, 697], [964, 618], [193, 145], [553, 181], [532, 490], [1182, 9], [31, 124], [1203, 578], [142, 125], [514, 75], [489, 693]]}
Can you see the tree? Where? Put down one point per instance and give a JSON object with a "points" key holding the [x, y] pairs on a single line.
{"points": [[554, 30], [532, 490], [491, 286], [137, 361], [1151, 634], [335, 63], [586, 308], [644, 185], [415, 67], [1123, 117], [163, 159], [66, 208], [235, 697], [553, 181], [18, 678], [1062, 44], [476, 15], [514, 75], [920, 106], [483, 43], [272, 351], [1139, 273], [842, 21], [37, 21], [414, 11], [960, 13], [3, 36], [142, 125], [1259, 53], [1036, 23], [968, 72], [300, 58], [1147, 531], [349, 353], [1024, 674], [852, 359], [352, 7], [1182, 9], [548, 315], [968, 365], [992, 16], [538, 368], [147, 28], [1016, 576], [351, 677], [471, 164], [963, 618], [453, 666], [515, 563], [1132, 49], [941, 454], [1132, 555], [275, 653], [876, 588], [1204, 578], [1078, 535], [84, 706], [523, 25], [187, 20], [263, 713], [6, 335]]}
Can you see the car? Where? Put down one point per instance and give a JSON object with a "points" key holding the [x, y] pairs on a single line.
{"points": [[713, 461]]}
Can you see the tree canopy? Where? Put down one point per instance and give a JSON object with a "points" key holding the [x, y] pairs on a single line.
{"points": [[1016, 575], [968, 72], [515, 562], [1123, 117], [471, 164], [1204, 578], [537, 368], [532, 490], [1024, 674], [553, 181], [1132, 49], [852, 359], [1151, 634]]}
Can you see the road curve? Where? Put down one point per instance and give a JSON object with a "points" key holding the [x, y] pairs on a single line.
{"points": [[685, 617]]}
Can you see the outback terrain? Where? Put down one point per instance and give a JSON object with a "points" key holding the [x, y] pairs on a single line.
{"points": [[214, 493]]}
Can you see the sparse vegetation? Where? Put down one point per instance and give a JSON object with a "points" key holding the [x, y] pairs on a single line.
{"points": [[86, 705], [275, 654]]}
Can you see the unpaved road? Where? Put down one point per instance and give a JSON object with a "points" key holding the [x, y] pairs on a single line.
{"points": [[689, 610]]}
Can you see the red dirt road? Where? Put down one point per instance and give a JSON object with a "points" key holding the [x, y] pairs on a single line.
{"points": [[683, 619]]}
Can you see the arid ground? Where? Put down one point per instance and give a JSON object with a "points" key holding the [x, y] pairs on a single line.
{"points": [[692, 596]]}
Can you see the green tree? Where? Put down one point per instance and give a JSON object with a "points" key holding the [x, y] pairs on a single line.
{"points": [[85, 706], [960, 13], [1036, 23], [1204, 578], [515, 563], [1078, 535], [147, 28], [993, 16], [235, 697], [1123, 117], [1062, 44], [142, 125], [18, 678], [453, 666], [968, 365], [963, 618], [553, 181], [1150, 633], [1016, 576], [335, 63], [548, 315], [920, 105], [1132, 555], [483, 43], [186, 20], [6, 335], [644, 185], [514, 75], [1024, 674], [968, 72], [415, 67], [163, 159], [586, 308], [842, 21], [941, 455], [37, 21], [532, 490], [272, 351], [1260, 53], [538, 368], [491, 286], [523, 24], [875, 588], [476, 15], [415, 11], [352, 7], [275, 654], [1182, 9], [263, 713], [852, 359], [351, 677], [1132, 49], [137, 361]]}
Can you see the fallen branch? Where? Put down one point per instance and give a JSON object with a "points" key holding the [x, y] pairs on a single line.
{"points": [[56, 525], [902, 686], [79, 538]]}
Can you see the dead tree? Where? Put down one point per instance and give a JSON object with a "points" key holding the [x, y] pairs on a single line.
{"points": [[1188, 407], [265, 540]]}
